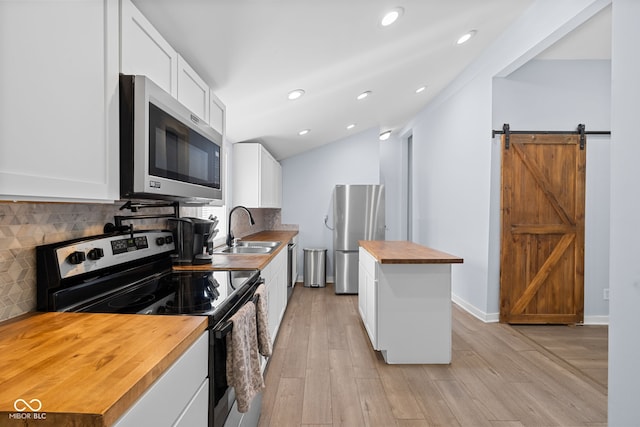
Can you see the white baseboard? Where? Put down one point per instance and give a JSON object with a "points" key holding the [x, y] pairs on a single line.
{"points": [[596, 320], [474, 311], [495, 317]]}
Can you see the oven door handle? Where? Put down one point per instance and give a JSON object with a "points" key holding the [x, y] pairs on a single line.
{"points": [[227, 326], [223, 330]]}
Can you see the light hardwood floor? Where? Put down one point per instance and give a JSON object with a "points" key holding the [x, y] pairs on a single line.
{"points": [[324, 372], [585, 348]]}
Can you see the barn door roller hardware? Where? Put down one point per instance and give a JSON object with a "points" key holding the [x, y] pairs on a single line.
{"points": [[506, 131]]}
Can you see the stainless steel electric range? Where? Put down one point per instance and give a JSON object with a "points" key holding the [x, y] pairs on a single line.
{"points": [[132, 273]]}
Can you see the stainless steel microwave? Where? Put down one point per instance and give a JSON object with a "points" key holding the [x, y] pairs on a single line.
{"points": [[166, 151]]}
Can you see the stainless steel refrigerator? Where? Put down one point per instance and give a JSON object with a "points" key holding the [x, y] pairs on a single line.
{"points": [[358, 212]]}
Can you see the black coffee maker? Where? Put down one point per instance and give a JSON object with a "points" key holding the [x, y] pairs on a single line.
{"points": [[193, 239]]}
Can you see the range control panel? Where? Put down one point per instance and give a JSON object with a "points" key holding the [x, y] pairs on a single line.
{"points": [[96, 254], [129, 244]]}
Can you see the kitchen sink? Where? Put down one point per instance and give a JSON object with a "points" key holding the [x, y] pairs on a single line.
{"points": [[250, 247], [259, 244], [246, 250]]}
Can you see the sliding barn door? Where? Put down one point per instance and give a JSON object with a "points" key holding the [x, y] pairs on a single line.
{"points": [[542, 253]]}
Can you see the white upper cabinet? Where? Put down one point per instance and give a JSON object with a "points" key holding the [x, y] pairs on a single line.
{"points": [[257, 177], [217, 114], [193, 92], [144, 51], [277, 185], [59, 103]]}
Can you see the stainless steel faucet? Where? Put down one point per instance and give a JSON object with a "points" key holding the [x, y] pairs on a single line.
{"points": [[230, 234]]}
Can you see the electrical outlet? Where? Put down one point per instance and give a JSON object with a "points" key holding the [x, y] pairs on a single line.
{"points": [[605, 294]]}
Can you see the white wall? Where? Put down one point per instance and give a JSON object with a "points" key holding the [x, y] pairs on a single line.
{"points": [[451, 193], [453, 152], [393, 174], [308, 181], [624, 278], [558, 95]]}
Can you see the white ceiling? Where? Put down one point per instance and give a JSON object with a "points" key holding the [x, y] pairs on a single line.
{"points": [[253, 52]]}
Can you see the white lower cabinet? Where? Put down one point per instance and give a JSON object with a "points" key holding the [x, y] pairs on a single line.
{"points": [[180, 397], [267, 275], [367, 295], [275, 279], [197, 411], [281, 280], [406, 309]]}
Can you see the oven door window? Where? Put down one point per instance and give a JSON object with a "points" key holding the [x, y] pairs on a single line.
{"points": [[178, 152]]}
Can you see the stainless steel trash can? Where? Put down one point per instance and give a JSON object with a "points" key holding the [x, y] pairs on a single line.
{"points": [[315, 268]]}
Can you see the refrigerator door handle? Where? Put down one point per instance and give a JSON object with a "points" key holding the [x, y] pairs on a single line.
{"points": [[326, 223]]}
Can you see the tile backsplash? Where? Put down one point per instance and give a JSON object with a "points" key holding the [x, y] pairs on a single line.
{"points": [[266, 219], [23, 226]]}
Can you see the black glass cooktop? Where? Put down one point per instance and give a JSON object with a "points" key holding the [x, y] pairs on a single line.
{"points": [[189, 293]]}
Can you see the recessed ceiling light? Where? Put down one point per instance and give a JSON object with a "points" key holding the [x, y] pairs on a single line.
{"points": [[351, 126], [421, 89], [385, 135], [391, 16], [304, 132], [295, 94], [363, 95], [465, 38]]}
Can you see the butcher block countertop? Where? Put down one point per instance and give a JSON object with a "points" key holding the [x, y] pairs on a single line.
{"points": [[245, 261], [85, 369], [405, 252]]}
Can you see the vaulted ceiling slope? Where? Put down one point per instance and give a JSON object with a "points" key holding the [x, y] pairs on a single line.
{"points": [[253, 52]]}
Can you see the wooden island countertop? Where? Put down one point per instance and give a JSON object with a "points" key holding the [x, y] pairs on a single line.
{"points": [[405, 252], [86, 369], [245, 261]]}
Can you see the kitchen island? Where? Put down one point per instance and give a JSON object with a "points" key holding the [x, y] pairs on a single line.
{"points": [[404, 299], [82, 369]]}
